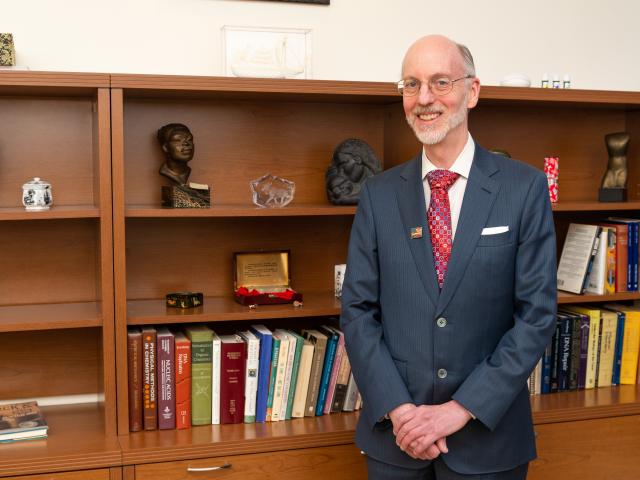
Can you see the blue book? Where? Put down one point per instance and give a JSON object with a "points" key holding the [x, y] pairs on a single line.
{"points": [[332, 344], [266, 342], [564, 354], [617, 354], [632, 258]]}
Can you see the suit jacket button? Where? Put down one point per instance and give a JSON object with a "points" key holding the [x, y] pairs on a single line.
{"points": [[441, 322], [442, 373]]}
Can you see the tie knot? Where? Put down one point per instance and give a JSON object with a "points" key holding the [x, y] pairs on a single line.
{"points": [[441, 179]]}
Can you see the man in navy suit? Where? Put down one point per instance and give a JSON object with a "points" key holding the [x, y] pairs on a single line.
{"points": [[449, 298]]}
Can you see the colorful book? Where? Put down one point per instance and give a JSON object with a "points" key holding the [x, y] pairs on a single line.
{"points": [[264, 370], [134, 374], [251, 375], [332, 345], [630, 343], [22, 421], [302, 382], [622, 255], [183, 381], [273, 371], [166, 379], [598, 276], [281, 371], [149, 377], [617, 356], [632, 246], [594, 336], [201, 338], [337, 363], [319, 341], [608, 327], [294, 373], [564, 355], [216, 360], [233, 356], [576, 320], [340, 393], [288, 373]]}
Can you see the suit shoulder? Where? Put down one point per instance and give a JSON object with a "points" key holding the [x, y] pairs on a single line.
{"points": [[388, 177], [517, 169]]}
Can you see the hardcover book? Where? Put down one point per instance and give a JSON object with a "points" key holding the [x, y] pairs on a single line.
{"points": [[578, 252], [593, 343], [337, 363], [201, 351], [134, 373], [264, 370], [319, 341], [21, 421], [302, 382], [251, 375], [281, 370], [150, 392], [332, 345], [294, 373], [166, 379], [216, 371], [233, 355], [288, 372], [183, 380], [608, 327], [621, 255]]}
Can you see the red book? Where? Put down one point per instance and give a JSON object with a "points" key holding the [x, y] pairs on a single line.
{"points": [[166, 379], [134, 369], [183, 381], [233, 357], [150, 393]]}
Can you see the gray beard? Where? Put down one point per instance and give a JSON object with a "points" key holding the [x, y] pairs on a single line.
{"points": [[433, 136]]}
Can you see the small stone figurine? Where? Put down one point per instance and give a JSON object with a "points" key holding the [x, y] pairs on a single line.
{"points": [[353, 162], [614, 182], [177, 144]]}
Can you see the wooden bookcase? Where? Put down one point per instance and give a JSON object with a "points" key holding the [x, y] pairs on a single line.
{"points": [[99, 267], [56, 286]]}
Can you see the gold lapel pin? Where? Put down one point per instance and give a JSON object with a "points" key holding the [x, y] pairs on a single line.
{"points": [[416, 232]]}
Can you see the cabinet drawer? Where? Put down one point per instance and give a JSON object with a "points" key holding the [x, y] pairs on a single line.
{"points": [[101, 474], [343, 462]]}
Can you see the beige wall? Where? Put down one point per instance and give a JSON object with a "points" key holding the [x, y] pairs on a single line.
{"points": [[595, 41]]}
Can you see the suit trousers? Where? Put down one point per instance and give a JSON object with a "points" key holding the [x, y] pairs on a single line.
{"points": [[436, 470]]}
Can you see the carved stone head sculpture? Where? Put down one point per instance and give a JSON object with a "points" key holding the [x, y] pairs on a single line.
{"points": [[353, 162], [177, 144]]}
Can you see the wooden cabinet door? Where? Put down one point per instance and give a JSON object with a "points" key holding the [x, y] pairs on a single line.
{"points": [[343, 462], [101, 474]]}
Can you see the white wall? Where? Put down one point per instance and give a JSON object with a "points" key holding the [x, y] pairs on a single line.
{"points": [[595, 41]]}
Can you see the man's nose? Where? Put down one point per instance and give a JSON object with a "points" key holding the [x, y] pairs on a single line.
{"points": [[425, 95]]}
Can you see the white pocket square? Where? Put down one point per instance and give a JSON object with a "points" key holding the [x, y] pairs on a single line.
{"points": [[494, 230]]}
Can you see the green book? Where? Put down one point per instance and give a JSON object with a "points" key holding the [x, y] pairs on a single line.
{"points": [[275, 351], [201, 338], [294, 372]]}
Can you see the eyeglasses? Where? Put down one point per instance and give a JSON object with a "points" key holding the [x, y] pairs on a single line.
{"points": [[408, 87]]}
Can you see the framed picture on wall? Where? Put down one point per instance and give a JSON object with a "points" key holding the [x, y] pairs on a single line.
{"points": [[266, 52]]}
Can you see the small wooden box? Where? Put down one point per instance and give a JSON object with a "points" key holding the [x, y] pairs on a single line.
{"points": [[262, 278]]}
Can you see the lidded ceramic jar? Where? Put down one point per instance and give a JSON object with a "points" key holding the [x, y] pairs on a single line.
{"points": [[36, 195]]}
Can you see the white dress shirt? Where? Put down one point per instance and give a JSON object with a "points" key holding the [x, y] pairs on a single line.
{"points": [[461, 166]]}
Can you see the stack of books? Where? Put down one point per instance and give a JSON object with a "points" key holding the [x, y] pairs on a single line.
{"points": [[21, 421]]}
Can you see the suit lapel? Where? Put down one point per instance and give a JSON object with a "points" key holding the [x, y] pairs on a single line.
{"points": [[411, 202], [479, 196]]}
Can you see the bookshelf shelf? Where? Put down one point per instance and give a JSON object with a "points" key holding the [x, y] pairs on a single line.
{"points": [[588, 206], [148, 211], [566, 298], [56, 212], [217, 309], [76, 441], [49, 316]]}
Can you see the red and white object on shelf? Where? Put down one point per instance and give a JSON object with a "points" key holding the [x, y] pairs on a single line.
{"points": [[551, 171]]}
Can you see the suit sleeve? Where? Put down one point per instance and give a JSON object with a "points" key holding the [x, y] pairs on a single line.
{"points": [[375, 373], [492, 386]]}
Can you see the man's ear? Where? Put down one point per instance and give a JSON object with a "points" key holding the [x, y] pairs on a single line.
{"points": [[474, 93]]}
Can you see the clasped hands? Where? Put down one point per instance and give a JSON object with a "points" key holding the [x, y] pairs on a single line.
{"points": [[422, 431]]}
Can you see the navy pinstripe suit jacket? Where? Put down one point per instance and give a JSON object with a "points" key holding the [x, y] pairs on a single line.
{"points": [[498, 299]]}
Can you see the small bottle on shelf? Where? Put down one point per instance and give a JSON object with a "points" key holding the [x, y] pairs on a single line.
{"points": [[566, 81], [545, 80]]}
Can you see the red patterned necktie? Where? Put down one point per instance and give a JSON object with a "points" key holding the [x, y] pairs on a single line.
{"points": [[439, 216]]}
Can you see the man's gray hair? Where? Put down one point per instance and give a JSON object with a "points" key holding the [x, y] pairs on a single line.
{"points": [[467, 59]]}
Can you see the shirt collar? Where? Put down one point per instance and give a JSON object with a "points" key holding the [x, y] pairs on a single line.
{"points": [[462, 165]]}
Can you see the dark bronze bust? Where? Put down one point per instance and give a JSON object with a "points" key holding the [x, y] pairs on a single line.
{"points": [[353, 162], [177, 144], [614, 181]]}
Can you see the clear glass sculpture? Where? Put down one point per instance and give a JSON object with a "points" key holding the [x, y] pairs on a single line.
{"points": [[271, 191]]}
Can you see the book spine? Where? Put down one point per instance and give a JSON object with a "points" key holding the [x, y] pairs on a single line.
{"points": [[609, 324], [288, 374], [134, 364], [326, 374], [575, 352], [302, 382], [166, 376], [264, 368], [564, 358], [333, 378], [592, 354], [216, 359], [340, 393], [183, 382], [251, 380], [630, 257], [630, 347], [610, 278], [279, 382], [592, 257], [232, 374], [316, 373], [615, 377], [622, 254], [294, 376], [273, 371], [636, 227], [150, 379], [555, 359], [585, 327], [201, 352]]}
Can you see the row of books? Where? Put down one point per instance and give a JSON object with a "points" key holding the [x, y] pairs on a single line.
{"points": [[600, 258], [197, 377], [591, 347]]}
